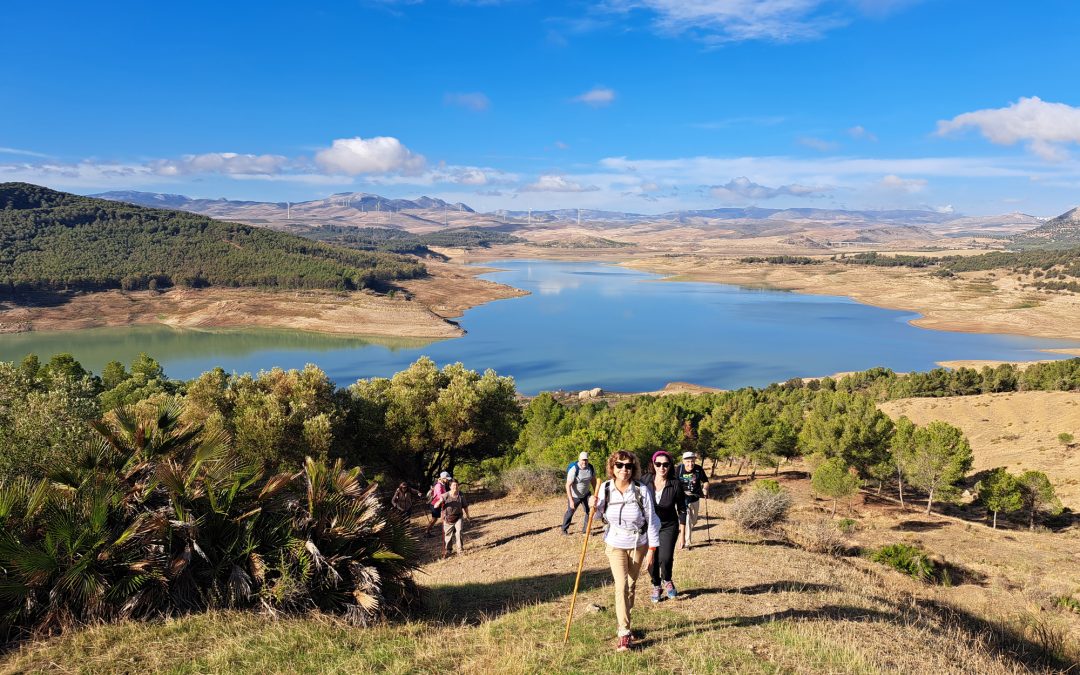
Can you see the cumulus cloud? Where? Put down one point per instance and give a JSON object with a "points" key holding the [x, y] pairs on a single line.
{"points": [[742, 189], [1045, 127], [860, 133], [474, 100], [894, 183], [221, 162], [379, 154], [597, 97], [819, 144], [555, 183]]}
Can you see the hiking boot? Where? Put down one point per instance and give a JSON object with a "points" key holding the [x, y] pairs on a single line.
{"points": [[625, 643], [669, 588], [564, 532], [655, 595]]}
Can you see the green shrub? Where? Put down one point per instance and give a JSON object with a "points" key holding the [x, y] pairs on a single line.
{"points": [[911, 560], [768, 485], [160, 517], [1069, 603], [846, 525]]}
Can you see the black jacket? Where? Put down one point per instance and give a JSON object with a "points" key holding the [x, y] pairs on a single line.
{"points": [[672, 503]]}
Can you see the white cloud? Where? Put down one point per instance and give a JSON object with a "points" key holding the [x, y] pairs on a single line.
{"points": [[743, 189], [554, 183], [860, 133], [561, 146], [721, 21], [380, 154], [819, 144], [894, 183], [24, 153], [597, 97], [1045, 127], [474, 100], [221, 162]]}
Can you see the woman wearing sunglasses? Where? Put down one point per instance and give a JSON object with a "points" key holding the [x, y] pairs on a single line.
{"points": [[632, 534], [670, 502]]}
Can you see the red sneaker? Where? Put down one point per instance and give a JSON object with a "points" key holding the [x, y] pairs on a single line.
{"points": [[625, 643]]}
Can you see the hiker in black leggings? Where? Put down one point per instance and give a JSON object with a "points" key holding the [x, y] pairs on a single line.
{"points": [[670, 501]]}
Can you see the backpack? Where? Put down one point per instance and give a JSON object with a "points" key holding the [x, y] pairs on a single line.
{"points": [[636, 487], [572, 466]]}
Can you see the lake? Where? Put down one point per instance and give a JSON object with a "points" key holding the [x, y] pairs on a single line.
{"points": [[583, 325]]}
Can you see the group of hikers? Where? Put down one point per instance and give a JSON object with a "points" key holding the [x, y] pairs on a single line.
{"points": [[647, 515]]}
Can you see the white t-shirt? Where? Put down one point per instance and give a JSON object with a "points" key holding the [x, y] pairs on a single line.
{"points": [[628, 527]]}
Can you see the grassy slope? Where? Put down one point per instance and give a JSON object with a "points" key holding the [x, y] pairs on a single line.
{"points": [[1017, 430], [747, 606]]}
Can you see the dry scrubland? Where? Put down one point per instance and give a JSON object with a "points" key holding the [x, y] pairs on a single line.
{"points": [[1016, 430], [748, 604]]}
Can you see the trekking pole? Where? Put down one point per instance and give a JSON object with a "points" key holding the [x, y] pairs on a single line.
{"points": [[581, 564], [708, 523]]}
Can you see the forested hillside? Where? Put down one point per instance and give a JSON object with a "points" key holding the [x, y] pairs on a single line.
{"points": [[54, 241]]}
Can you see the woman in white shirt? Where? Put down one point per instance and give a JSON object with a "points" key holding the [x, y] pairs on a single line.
{"points": [[632, 535]]}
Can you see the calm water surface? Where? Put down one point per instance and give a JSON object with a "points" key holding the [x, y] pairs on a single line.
{"points": [[584, 325]]}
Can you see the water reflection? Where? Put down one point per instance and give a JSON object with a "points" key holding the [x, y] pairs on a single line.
{"points": [[583, 325]]}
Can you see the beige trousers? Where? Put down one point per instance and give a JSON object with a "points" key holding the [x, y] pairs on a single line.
{"points": [[692, 516], [625, 567], [452, 533]]}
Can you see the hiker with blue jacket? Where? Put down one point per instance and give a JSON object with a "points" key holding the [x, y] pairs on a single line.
{"points": [[579, 480], [632, 533]]}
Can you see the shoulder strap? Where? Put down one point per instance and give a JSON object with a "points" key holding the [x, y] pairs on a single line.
{"points": [[574, 467], [638, 499]]}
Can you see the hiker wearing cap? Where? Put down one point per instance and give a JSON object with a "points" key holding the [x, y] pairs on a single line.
{"points": [[579, 480], [670, 502], [632, 534], [695, 485], [454, 511], [440, 487]]}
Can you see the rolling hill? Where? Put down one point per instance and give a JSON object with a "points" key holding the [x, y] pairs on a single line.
{"points": [[1060, 232], [55, 241]]}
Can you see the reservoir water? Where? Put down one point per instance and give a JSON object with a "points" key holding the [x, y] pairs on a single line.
{"points": [[583, 325]]}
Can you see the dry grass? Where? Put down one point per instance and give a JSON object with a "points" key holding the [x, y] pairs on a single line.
{"points": [[446, 293], [746, 605], [1018, 431]]}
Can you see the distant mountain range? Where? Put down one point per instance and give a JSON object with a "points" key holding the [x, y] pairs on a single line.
{"points": [[814, 225], [358, 200]]}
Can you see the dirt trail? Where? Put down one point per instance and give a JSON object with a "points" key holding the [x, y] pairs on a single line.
{"points": [[773, 603]]}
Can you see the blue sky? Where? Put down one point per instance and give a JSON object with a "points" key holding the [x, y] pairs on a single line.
{"points": [[636, 105]]}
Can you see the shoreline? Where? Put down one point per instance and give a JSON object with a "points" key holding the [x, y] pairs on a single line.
{"points": [[427, 312]]}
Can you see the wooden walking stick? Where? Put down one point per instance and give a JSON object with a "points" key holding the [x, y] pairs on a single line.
{"points": [[581, 564]]}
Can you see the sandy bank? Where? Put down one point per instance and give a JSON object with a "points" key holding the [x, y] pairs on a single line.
{"points": [[976, 302], [449, 291]]}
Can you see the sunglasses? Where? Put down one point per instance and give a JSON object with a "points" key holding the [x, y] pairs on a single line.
{"points": [[624, 465], [662, 465]]}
